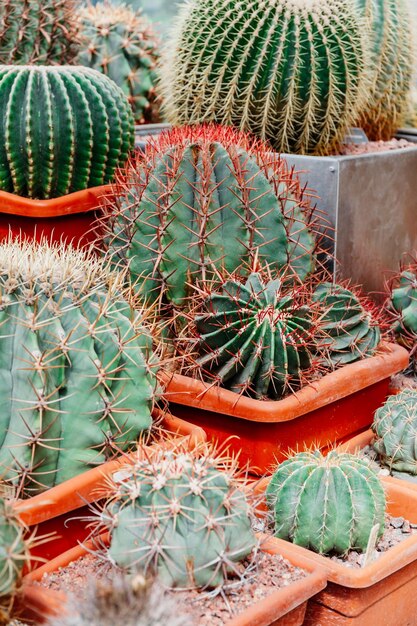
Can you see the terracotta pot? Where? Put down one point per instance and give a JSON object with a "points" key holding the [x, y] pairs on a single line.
{"points": [[69, 217], [332, 409], [35, 603], [284, 607]]}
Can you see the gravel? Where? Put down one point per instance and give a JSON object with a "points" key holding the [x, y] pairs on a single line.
{"points": [[375, 146]]}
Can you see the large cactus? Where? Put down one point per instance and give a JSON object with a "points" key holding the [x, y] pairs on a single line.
{"points": [[395, 428], [257, 337], [290, 71], [203, 200], [62, 129], [74, 372], [326, 503], [120, 43], [402, 308], [37, 31]]}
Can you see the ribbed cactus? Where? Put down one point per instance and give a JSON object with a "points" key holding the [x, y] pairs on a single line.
{"points": [[347, 330], [326, 503], [290, 71], [37, 31], [391, 62], [257, 337], [62, 129], [74, 365], [178, 515], [207, 199], [395, 428], [119, 42], [402, 308]]}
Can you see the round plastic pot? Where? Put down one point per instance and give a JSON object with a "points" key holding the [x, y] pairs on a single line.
{"points": [[330, 410], [68, 218], [283, 607]]}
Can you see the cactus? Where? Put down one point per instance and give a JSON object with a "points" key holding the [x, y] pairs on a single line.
{"points": [[75, 375], [395, 429], [62, 129], [292, 72], [392, 61], [37, 31], [119, 42], [401, 306], [176, 514], [257, 337], [326, 503], [349, 331], [204, 200]]}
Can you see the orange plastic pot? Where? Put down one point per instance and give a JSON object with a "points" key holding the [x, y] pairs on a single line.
{"points": [[68, 218], [34, 604], [284, 607], [330, 410]]}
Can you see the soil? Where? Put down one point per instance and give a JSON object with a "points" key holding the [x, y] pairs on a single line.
{"points": [[272, 573], [375, 146]]}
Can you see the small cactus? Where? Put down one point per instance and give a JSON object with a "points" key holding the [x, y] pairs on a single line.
{"points": [[326, 503], [120, 43], [395, 429], [62, 129], [401, 306]]}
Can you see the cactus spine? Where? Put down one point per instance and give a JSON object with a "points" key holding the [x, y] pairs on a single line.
{"points": [[62, 129], [401, 306], [289, 71], [326, 503], [119, 42], [74, 371]]}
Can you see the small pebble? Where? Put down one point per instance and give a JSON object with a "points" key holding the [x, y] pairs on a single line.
{"points": [[397, 522]]}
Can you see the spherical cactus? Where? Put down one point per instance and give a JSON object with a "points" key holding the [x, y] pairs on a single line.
{"points": [[75, 377], [62, 129], [401, 307], [395, 429], [326, 503], [204, 200], [290, 71], [37, 31], [178, 515], [119, 42], [257, 337], [347, 331]]}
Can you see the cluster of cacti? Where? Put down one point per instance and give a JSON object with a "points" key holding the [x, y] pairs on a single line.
{"points": [[75, 372], [292, 72], [395, 429], [257, 337], [37, 31], [62, 129], [402, 308], [176, 514], [119, 42], [326, 503], [205, 200], [348, 331]]}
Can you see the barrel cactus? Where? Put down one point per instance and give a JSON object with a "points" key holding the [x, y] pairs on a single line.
{"points": [[62, 129], [395, 429], [257, 337], [292, 72], [347, 330], [37, 31], [402, 308], [205, 200], [119, 42], [326, 503], [176, 514], [75, 371]]}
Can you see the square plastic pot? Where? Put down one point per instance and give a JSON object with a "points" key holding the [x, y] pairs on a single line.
{"points": [[330, 410]]}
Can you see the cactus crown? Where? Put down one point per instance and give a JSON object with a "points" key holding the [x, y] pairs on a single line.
{"points": [[395, 429], [401, 307], [75, 373], [326, 503]]}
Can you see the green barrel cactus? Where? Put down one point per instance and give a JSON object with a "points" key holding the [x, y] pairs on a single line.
{"points": [[395, 429], [119, 42], [37, 31], [292, 72], [205, 200], [62, 129], [348, 332], [326, 503], [257, 338], [402, 308], [76, 377], [176, 514]]}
